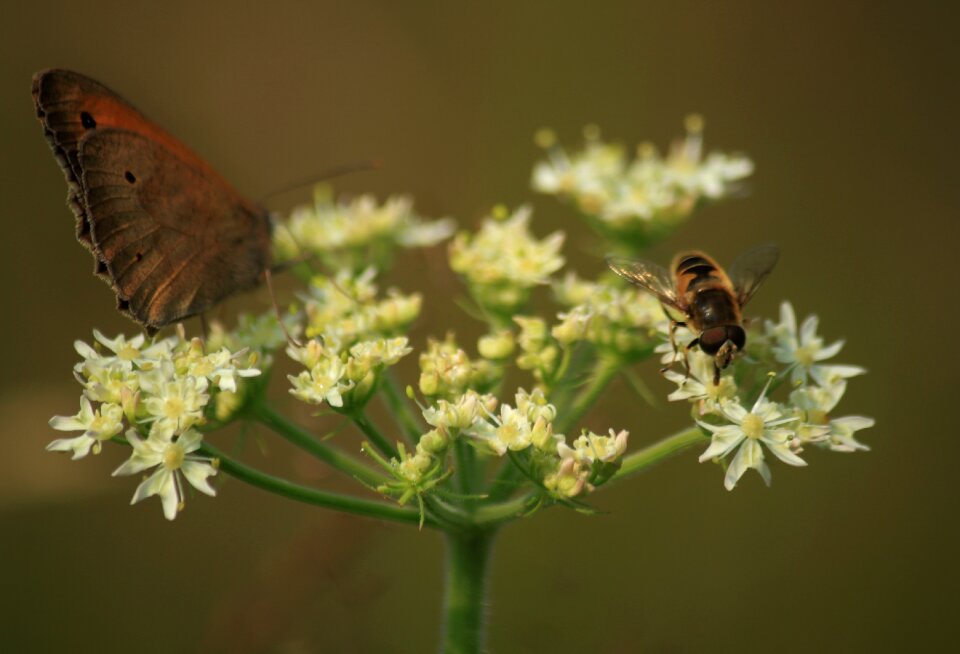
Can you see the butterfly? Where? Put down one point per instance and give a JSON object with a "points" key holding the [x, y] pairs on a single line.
{"points": [[167, 232]]}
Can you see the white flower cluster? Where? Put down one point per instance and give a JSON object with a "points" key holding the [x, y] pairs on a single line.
{"points": [[447, 371], [503, 260], [355, 231], [526, 428], [643, 195], [157, 393], [345, 310], [614, 317], [783, 428], [343, 378]]}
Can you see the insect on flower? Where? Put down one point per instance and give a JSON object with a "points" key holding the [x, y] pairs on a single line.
{"points": [[709, 300]]}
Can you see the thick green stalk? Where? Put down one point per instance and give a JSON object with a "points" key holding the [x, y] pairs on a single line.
{"points": [[303, 439], [643, 459], [335, 501], [468, 555]]}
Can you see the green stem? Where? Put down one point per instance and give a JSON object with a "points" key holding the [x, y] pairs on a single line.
{"points": [[468, 554], [643, 459], [493, 514], [396, 400], [603, 372], [466, 467], [303, 439], [370, 431], [335, 501], [505, 483]]}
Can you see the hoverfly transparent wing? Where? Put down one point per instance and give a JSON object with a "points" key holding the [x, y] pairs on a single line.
{"points": [[651, 277], [751, 268]]}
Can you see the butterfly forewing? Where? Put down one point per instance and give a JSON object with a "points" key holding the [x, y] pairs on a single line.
{"points": [[169, 234], [650, 276], [751, 268]]}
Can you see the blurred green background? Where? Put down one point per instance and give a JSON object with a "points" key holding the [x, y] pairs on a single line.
{"points": [[847, 110]]}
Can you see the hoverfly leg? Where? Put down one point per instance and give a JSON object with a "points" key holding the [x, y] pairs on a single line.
{"points": [[716, 374], [686, 356], [673, 343]]}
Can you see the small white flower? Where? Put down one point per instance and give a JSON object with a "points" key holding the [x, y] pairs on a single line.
{"points": [[697, 384], [97, 426], [172, 403], [591, 447], [461, 413], [174, 461], [815, 403], [510, 430], [747, 430], [221, 368], [804, 350], [322, 383], [127, 352]]}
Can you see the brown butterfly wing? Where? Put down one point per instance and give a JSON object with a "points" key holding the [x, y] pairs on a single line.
{"points": [[74, 111], [173, 241]]}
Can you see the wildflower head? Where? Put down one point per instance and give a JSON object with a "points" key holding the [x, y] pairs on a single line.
{"points": [[447, 371], [503, 261], [344, 379], [157, 392], [353, 234], [637, 201]]}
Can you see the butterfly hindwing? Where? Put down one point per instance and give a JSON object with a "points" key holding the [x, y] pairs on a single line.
{"points": [[174, 243]]}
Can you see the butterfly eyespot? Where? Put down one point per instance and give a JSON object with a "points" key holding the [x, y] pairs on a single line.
{"points": [[138, 256], [130, 177], [123, 305], [101, 267], [87, 120]]}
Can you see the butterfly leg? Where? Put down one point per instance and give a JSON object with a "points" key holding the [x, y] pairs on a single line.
{"points": [[204, 328], [276, 308]]}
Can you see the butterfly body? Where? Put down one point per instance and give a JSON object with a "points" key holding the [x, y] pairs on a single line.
{"points": [[168, 233]]}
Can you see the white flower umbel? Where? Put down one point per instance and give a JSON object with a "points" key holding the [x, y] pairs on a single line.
{"points": [[503, 260], [174, 461], [748, 429], [516, 428], [97, 426], [803, 350], [351, 231], [646, 194]]}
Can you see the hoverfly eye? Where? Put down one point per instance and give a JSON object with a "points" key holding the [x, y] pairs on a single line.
{"points": [[736, 334], [712, 339]]}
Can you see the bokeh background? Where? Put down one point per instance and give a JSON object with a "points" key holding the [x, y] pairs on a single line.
{"points": [[848, 111]]}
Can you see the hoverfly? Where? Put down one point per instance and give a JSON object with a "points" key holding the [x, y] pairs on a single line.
{"points": [[710, 301]]}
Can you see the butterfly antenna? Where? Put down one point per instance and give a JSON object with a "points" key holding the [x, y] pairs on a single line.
{"points": [[276, 308], [330, 173]]}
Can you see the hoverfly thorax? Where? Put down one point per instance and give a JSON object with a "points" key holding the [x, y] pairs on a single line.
{"points": [[709, 300]]}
